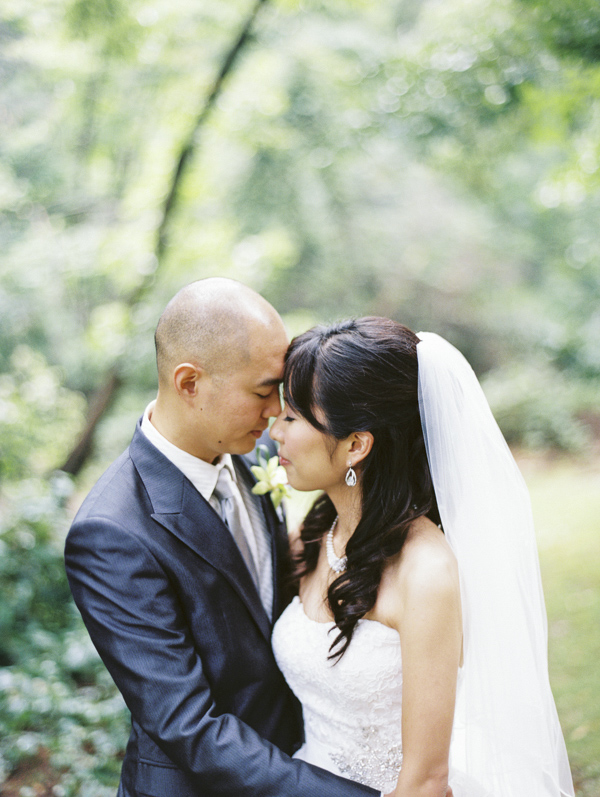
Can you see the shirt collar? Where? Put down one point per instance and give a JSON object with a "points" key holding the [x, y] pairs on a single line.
{"points": [[203, 475]]}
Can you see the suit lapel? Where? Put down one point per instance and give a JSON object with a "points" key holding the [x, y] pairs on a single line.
{"points": [[180, 508]]}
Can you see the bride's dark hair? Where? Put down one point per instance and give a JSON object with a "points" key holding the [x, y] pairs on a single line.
{"points": [[362, 375]]}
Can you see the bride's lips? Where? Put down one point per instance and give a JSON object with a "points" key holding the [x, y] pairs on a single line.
{"points": [[283, 461]]}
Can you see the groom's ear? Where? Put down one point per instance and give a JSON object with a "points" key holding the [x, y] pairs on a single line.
{"points": [[186, 379], [361, 445]]}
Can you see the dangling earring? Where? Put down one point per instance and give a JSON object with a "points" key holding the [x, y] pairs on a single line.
{"points": [[350, 476]]}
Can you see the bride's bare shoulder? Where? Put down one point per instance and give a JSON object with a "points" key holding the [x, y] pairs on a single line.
{"points": [[425, 568], [426, 555], [426, 540]]}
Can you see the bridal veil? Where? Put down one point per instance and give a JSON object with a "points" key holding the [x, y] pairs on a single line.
{"points": [[506, 733]]}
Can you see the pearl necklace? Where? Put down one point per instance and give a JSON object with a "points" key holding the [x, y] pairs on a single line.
{"points": [[336, 563]]}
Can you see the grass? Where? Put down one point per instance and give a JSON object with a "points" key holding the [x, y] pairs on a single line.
{"points": [[566, 504]]}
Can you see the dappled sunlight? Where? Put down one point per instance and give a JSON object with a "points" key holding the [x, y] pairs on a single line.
{"points": [[435, 162]]}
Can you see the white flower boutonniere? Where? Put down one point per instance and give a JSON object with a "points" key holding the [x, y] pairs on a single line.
{"points": [[271, 477]]}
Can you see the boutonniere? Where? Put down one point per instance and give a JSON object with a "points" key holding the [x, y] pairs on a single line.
{"points": [[271, 477]]}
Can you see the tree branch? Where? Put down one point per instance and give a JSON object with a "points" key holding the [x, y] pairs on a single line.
{"points": [[99, 403], [106, 393], [189, 148]]}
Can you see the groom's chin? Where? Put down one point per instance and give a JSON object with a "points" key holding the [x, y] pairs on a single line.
{"points": [[244, 446]]}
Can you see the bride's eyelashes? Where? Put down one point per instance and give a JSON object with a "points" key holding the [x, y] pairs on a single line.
{"points": [[287, 417]]}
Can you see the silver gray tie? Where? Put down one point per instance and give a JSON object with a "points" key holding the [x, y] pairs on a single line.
{"points": [[231, 517]]}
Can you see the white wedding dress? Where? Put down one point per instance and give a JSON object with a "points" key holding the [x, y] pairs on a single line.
{"points": [[352, 709], [506, 737]]}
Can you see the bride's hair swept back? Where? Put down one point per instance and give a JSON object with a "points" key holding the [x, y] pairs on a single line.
{"points": [[362, 375]]}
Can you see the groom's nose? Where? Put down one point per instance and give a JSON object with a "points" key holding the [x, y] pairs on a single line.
{"points": [[273, 406]]}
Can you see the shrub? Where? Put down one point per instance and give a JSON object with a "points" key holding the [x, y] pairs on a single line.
{"points": [[537, 406]]}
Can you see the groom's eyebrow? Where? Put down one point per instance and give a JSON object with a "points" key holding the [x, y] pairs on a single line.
{"points": [[276, 380]]}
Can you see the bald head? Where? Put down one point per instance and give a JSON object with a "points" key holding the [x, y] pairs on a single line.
{"points": [[211, 322]]}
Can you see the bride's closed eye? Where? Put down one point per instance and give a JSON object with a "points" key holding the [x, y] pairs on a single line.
{"points": [[288, 417]]}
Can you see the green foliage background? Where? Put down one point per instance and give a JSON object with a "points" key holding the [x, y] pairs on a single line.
{"points": [[436, 162]]}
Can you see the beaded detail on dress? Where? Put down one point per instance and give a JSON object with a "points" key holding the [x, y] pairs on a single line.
{"points": [[352, 708]]}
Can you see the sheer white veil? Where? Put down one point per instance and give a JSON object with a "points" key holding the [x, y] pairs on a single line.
{"points": [[506, 733]]}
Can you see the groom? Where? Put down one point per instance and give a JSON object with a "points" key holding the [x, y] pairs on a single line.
{"points": [[178, 569]]}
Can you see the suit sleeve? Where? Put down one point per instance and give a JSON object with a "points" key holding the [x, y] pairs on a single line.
{"points": [[136, 623]]}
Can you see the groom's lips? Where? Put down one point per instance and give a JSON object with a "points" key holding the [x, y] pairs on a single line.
{"points": [[257, 432]]}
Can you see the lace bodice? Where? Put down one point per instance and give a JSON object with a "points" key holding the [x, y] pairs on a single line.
{"points": [[352, 709]]}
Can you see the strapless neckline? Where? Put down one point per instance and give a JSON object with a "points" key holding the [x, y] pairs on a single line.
{"points": [[297, 600]]}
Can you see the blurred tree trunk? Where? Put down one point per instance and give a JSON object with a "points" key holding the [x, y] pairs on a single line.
{"points": [[105, 394], [99, 403]]}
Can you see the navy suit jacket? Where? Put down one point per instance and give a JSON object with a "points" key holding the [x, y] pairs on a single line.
{"points": [[174, 613]]}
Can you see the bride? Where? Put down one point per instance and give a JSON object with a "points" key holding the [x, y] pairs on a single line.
{"points": [[417, 643]]}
